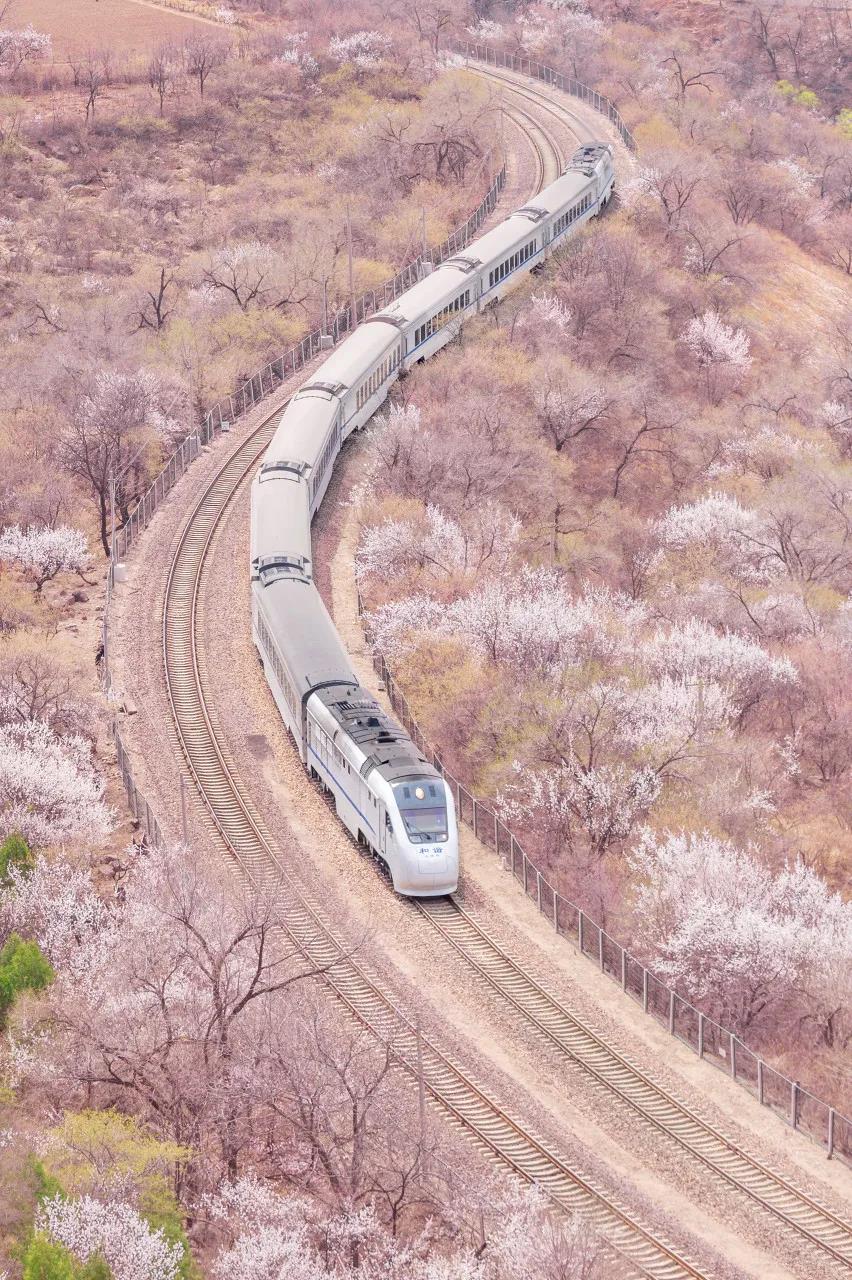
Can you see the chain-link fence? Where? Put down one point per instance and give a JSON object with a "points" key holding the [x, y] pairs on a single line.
{"points": [[219, 419], [278, 371], [712, 1042], [478, 52]]}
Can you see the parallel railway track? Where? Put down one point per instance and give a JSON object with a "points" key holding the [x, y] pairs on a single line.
{"points": [[562, 1027], [548, 156], [243, 833], [638, 1249]]}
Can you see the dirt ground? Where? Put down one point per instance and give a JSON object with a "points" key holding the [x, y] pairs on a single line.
{"points": [[124, 26]]}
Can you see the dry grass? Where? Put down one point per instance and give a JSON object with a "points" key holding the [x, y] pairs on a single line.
{"points": [[125, 26]]}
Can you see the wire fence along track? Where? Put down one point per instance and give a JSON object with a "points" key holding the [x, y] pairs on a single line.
{"points": [[711, 1041], [246, 837], [615, 1072], [278, 371], [548, 75], [805, 1111]]}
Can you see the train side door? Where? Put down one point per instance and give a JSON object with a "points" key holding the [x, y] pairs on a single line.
{"points": [[385, 832]]}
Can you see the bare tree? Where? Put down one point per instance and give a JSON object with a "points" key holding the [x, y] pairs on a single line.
{"points": [[569, 405], [154, 312], [92, 73], [162, 66], [686, 80], [107, 441], [201, 56]]}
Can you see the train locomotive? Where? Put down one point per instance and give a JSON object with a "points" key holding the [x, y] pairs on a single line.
{"points": [[391, 799]]}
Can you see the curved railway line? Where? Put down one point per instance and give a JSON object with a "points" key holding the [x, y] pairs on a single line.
{"points": [[611, 1069], [548, 156], [641, 1251], [247, 839]]}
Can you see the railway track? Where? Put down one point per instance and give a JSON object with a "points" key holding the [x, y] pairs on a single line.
{"points": [[548, 157], [244, 835], [520, 87], [562, 1027], [639, 1250]]}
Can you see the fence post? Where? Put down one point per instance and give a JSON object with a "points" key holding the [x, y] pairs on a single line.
{"points": [[733, 1057], [830, 1132], [700, 1034], [671, 1013], [526, 865], [538, 887], [556, 910], [474, 815], [644, 990], [580, 931], [760, 1081], [601, 947], [623, 969], [794, 1103]]}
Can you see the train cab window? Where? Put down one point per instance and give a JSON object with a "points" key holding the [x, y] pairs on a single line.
{"points": [[422, 806]]}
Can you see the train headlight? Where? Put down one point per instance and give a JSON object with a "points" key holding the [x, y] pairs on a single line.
{"points": [[420, 793]]}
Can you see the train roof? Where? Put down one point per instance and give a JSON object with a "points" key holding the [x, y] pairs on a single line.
{"points": [[348, 362], [280, 516], [386, 745], [303, 427], [561, 193], [304, 634], [430, 294]]}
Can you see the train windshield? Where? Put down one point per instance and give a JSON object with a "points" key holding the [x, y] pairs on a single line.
{"points": [[423, 808]]}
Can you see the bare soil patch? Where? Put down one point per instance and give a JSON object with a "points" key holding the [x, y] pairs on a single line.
{"points": [[123, 26]]}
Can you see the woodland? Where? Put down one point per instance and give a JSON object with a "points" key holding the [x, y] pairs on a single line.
{"points": [[604, 546]]}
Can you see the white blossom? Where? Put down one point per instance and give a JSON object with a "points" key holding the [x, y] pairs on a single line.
{"points": [[694, 651], [485, 29], [42, 552], [49, 789], [606, 801], [131, 1248], [673, 711], [437, 544], [713, 342], [837, 416], [56, 904], [766, 452], [722, 925], [546, 315], [21, 45], [363, 49], [248, 1202], [718, 523], [527, 620]]}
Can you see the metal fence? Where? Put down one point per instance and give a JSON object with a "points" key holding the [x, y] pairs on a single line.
{"points": [[712, 1042], [272, 375], [558, 79]]}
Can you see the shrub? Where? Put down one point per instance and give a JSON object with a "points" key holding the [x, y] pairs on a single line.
{"points": [[23, 967], [15, 854]]}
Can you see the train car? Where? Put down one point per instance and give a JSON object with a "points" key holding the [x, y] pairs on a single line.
{"points": [[385, 792], [430, 314]]}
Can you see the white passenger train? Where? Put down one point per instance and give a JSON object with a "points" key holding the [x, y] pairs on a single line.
{"points": [[387, 795]]}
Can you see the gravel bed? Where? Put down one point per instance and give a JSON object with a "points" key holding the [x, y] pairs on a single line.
{"points": [[553, 1094]]}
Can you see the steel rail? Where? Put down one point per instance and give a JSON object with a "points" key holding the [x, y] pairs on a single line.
{"points": [[246, 838], [539, 140], [566, 1029], [532, 93]]}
